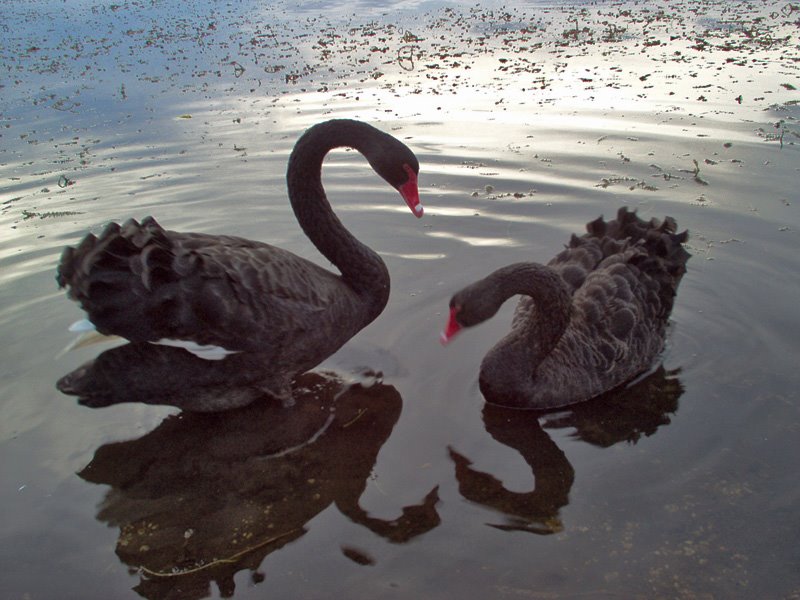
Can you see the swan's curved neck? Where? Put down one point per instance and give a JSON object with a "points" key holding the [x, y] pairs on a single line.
{"points": [[539, 323], [361, 268]]}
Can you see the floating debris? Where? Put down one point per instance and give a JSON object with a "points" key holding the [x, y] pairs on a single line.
{"points": [[64, 181]]}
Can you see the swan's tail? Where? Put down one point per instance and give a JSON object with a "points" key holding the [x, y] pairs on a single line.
{"points": [[664, 247], [652, 247], [658, 250], [109, 275]]}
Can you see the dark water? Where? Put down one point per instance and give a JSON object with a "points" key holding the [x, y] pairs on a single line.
{"points": [[528, 122]]}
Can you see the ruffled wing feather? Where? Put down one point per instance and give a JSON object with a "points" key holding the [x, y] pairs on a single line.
{"points": [[144, 283]]}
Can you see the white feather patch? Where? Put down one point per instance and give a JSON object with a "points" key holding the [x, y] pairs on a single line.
{"points": [[82, 326], [89, 335], [204, 352]]}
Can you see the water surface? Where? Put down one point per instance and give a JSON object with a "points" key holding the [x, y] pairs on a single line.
{"points": [[529, 120]]}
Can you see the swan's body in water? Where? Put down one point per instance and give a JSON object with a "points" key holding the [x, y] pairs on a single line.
{"points": [[590, 320], [147, 284]]}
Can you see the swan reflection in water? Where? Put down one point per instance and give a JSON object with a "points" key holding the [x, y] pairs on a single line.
{"points": [[205, 495], [623, 415]]}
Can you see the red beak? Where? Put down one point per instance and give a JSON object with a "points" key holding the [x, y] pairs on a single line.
{"points": [[452, 328], [410, 192]]}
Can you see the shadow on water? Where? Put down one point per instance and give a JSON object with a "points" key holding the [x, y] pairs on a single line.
{"points": [[623, 415], [205, 495]]}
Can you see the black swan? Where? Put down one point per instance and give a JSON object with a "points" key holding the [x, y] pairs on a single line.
{"points": [[590, 320], [217, 295]]}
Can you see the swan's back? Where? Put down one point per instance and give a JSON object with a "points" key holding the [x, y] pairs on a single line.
{"points": [[652, 246], [624, 276], [144, 283]]}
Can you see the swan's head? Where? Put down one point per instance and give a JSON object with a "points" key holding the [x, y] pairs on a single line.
{"points": [[397, 164], [410, 192], [474, 304]]}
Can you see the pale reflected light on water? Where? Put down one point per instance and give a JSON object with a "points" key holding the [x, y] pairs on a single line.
{"points": [[529, 120], [475, 241]]}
